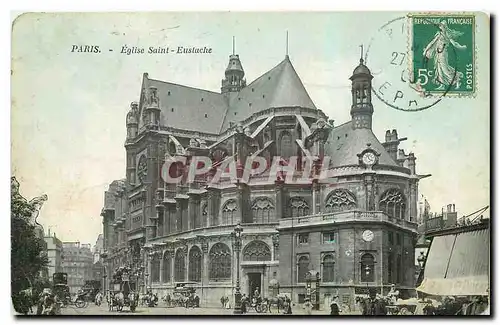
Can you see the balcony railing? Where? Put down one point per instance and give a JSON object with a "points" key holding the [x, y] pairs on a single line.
{"points": [[346, 216]]}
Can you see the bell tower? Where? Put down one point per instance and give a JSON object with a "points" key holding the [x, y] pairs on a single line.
{"points": [[361, 88], [234, 75]]}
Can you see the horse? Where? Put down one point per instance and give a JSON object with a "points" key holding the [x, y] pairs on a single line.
{"points": [[279, 302]]}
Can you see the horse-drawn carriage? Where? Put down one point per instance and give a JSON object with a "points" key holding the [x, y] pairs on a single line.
{"points": [[124, 292], [185, 296]]}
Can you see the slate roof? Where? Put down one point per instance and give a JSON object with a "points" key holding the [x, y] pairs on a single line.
{"points": [[344, 144], [193, 109], [206, 111], [279, 87]]}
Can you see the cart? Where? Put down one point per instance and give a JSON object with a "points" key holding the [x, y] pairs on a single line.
{"points": [[124, 292], [403, 307]]}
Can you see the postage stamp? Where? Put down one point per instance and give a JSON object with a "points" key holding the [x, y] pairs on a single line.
{"points": [[442, 53]]}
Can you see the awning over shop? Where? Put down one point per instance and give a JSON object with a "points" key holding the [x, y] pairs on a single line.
{"points": [[467, 286], [458, 264]]}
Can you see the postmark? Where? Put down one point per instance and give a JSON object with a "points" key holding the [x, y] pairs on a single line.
{"points": [[442, 53], [393, 83]]}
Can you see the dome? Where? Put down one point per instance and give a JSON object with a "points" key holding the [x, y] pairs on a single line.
{"points": [[361, 69], [234, 65]]}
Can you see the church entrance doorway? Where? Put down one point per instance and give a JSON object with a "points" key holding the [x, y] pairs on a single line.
{"points": [[254, 282]]}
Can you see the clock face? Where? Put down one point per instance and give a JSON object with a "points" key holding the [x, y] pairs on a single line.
{"points": [[369, 158], [142, 169], [368, 235]]}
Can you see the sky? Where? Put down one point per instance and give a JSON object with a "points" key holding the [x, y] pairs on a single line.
{"points": [[68, 109]]}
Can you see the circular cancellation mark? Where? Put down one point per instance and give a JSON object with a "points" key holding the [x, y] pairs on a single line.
{"points": [[392, 56]]}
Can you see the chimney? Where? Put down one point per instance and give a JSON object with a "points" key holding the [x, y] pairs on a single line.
{"points": [[411, 163], [387, 136], [394, 136]]}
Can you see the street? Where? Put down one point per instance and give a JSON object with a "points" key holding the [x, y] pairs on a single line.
{"points": [[92, 309]]}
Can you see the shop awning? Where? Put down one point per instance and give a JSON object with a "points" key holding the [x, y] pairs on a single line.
{"points": [[458, 264], [466, 286]]}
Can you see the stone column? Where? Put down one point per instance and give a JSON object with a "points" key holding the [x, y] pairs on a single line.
{"points": [[240, 212], [178, 216], [315, 197], [191, 212], [279, 199], [210, 204], [369, 192], [413, 201]]}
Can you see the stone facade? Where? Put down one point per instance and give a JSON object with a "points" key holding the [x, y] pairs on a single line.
{"points": [[54, 254], [78, 262], [181, 232]]}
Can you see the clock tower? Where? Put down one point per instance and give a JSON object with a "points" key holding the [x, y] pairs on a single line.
{"points": [[361, 88]]}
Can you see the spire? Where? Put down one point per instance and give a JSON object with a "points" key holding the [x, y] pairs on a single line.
{"points": [[286, 48], [234, 74], [361, 57]]}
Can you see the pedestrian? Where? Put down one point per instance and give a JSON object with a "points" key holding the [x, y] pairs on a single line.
{"points": [[288, 309], [334, 307], [308, 306], [243, 304]]}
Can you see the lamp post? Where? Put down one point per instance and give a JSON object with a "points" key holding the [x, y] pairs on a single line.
{"points": [[236, 236], [104, 257], [317, 290]]}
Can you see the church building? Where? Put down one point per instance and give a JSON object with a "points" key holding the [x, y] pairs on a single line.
{"points": [[354, 229]]}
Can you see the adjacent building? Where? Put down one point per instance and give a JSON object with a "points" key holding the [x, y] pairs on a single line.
{"points": [[54, 254], [98, 248], [354, 228], [78, 262]]}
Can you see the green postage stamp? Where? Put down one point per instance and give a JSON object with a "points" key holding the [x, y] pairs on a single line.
{"points": [[443, 53]]}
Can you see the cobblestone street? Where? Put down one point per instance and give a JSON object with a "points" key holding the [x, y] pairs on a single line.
{"points": [[161, 310]]}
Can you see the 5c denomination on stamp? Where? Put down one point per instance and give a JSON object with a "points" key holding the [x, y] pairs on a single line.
{"points": [[442, 55]]}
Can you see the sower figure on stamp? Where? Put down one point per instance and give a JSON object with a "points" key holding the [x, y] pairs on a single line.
{"points": [[437, 50]]}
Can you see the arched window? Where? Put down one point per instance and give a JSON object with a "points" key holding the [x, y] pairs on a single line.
{"points": [[155, 268], [302, 268], [220, 262], [286, 145], [393, 203], [256, 251], [367, 268], [340, 200], [328, 265], [229, 212], [298, 207], [180, 266], [195, 264], [167, 267], [262, 210]]}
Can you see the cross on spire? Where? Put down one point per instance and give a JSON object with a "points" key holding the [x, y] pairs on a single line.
{"points": [[233, 45], [361, 58]]}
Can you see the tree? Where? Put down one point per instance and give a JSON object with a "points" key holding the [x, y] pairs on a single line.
{"points": [[28, 249]]}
